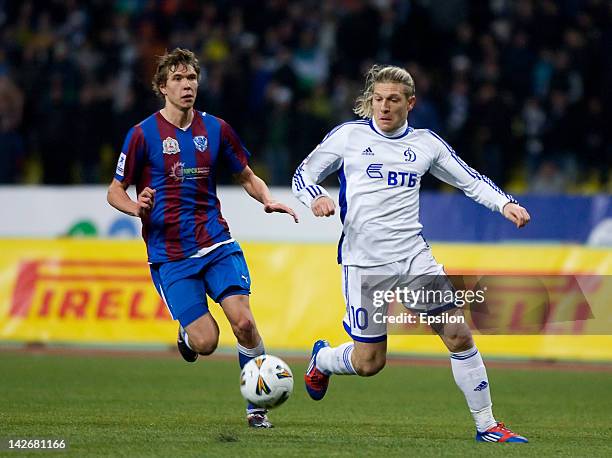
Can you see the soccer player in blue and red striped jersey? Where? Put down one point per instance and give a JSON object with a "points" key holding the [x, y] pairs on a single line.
{"points": [[173, 158]]}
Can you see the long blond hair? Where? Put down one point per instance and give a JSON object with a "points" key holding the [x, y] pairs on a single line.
{"points": [[381, 74]]}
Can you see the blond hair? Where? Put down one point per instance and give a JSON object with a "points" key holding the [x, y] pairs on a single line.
{"points": [[381, 74], [169, 62]]}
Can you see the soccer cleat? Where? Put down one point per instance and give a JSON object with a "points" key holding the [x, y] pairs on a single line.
{"points": [[499, 433], [315, 380], [259, 420], [187, 353]]}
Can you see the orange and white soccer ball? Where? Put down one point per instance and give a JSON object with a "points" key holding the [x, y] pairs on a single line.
{"points": [[266, 381]]}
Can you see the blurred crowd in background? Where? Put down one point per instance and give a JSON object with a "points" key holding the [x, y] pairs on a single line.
{"points": [[521, 89]]}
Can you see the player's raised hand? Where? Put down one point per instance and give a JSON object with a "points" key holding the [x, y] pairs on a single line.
{"points": [[323, 206], [146, 201], [277, 207], [517, 214]]}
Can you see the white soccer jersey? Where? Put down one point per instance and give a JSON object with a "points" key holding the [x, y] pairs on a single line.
{"points": [[380, 177]]}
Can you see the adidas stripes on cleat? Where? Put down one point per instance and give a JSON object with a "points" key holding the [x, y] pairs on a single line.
{"points": [[315, 380], [499, 433]]}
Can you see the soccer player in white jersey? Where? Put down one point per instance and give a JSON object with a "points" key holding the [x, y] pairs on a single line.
{"points": [[380, 161]]}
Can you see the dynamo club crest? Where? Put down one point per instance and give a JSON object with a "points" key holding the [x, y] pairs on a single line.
{"points": [[171, 146], [409, 155], [200, 142]]}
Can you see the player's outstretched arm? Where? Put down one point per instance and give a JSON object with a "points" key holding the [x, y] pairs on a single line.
{"points": [[119, 198], [259, 191], [517, 214], [451, 169]]}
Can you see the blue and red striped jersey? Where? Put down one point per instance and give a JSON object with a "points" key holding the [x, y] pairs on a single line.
{"points": [[181, 165]]}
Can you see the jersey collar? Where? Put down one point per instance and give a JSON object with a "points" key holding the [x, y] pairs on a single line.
{"points": [[399, 133], [184, 129]]}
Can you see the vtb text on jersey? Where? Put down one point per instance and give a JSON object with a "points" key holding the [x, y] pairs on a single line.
{"points": [[380, 177]]}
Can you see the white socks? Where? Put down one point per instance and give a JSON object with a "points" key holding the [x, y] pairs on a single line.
{"points": [[336, 360], [471, 377], [468, 370]]}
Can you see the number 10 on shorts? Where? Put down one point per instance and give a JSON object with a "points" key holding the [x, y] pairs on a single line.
{"points": [[358, 317]]}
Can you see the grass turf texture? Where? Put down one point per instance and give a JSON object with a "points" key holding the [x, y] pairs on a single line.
{"points": [[153, 406]]}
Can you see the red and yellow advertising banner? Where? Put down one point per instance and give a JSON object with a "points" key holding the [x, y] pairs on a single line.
{"points": [[100, 292], [79, 291]]}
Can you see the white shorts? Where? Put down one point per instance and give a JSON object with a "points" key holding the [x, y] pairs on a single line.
{"points": [[362, 320]]}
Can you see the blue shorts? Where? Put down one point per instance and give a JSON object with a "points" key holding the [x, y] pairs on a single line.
{"points": [[184, 284]]}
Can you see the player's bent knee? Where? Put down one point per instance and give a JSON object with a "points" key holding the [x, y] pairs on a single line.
{"points": [[208, 348], [204, 345], [459, 342], [369, 368]]}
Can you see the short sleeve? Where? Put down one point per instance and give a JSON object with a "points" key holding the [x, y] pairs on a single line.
{"points": [[129, 165], [232, 150]]}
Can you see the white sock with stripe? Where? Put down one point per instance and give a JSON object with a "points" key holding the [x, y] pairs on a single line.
{"points": [[471, 377], [336, 360]]}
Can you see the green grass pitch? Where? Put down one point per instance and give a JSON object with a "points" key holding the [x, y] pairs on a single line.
{"points": [[160, 406]]}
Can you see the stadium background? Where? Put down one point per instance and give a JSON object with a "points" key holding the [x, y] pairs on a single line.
{"points": [[521, 89]]}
